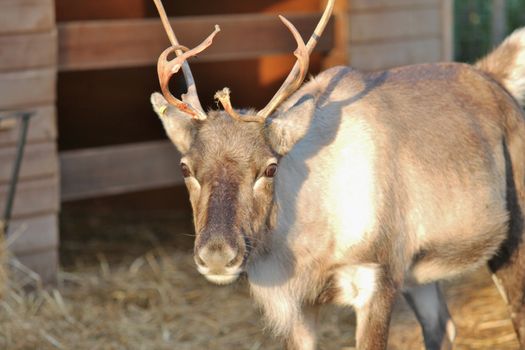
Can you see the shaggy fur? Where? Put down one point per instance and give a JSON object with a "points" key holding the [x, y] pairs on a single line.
{"points": [[387, 182]]}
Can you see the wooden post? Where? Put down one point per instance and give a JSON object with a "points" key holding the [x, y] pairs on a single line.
{"points": [[390, 33], [499, 21], [447, 28], [339, 53], [28, 71]]}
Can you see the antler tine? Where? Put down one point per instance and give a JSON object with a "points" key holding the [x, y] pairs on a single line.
{"points": [[224, 98], [299, 70], [166, 69], [191, 103]]}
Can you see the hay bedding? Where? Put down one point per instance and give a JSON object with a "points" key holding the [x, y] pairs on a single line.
{"points": [[159, 301], [107, 298]]}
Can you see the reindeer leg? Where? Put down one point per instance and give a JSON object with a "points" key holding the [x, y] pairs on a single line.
{"points": [[428, 303], [303, 332], [373, 316]]}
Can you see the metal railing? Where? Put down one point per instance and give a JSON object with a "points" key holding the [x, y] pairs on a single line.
{"points": [[22, 118]]}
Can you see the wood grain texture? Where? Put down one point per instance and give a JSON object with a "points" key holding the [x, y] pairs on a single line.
{"points": [[374, 5], [22, 16], [33, 197], [395, 24], [42, 127], [127, 43], [447, 29], [39, 160], [391, 54], [25, 51], [117, 169], [34, 234], [27, 88], [78, 10], [44, 263]]}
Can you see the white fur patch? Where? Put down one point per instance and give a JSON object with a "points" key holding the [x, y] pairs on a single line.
{"points": [[353, 189], [222, 279], [356, 285], [194, 187], [325, 190], [516, 81], [260, 183], [274, 290]]}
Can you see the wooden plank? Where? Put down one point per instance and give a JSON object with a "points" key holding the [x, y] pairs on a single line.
{"points": [[21, 16], [338, 55], [78, 10], [386, 55], [40, 160], [28, 50], [374, 5], [126, 43], [33, 197], [42, 127], [447, 29], [395, 24], [27, 88], [117, 169], [44, 263], [33, 234]]}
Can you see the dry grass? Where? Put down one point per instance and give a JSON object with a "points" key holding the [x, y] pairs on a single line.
{"points": [[159, 301], [107, 298]]}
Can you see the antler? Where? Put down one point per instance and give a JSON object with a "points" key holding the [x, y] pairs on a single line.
{"points": [[298, 73], [292, 82], [166, 68]]}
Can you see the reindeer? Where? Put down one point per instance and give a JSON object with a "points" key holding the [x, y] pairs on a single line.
{"points": [[357, 187]]}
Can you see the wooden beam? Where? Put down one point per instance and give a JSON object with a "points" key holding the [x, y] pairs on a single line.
{"points": [[339, 53], [44, 263], [40, 160], [28, 50], [33, 197], [23, 16], [126, 43], [33, 234], [499, 21], [27, 88], [447, 29], [395, 24], [112, 170], [42, 127], [386, 55], [381, 5]]}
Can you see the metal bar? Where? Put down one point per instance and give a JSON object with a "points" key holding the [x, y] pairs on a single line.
{"points": [[25, 117]]}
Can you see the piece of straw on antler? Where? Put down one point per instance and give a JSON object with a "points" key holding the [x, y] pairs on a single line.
{"points": [[224, 98]]}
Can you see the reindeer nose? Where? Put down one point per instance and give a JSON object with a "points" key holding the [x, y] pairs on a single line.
{"points": [[216, 258]]}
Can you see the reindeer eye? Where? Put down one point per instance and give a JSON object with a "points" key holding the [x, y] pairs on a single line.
{"points": [[270, 170], [185, 170]]}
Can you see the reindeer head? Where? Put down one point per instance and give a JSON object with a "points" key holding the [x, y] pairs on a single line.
{"points": [[229, 158]]}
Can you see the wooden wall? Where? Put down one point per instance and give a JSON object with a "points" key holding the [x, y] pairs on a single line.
{"points": [[28, 57], [389, 33], [110, 140]]}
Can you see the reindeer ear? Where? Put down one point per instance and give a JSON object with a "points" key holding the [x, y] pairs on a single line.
{"points": [[178, 125], [286, 128]]}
